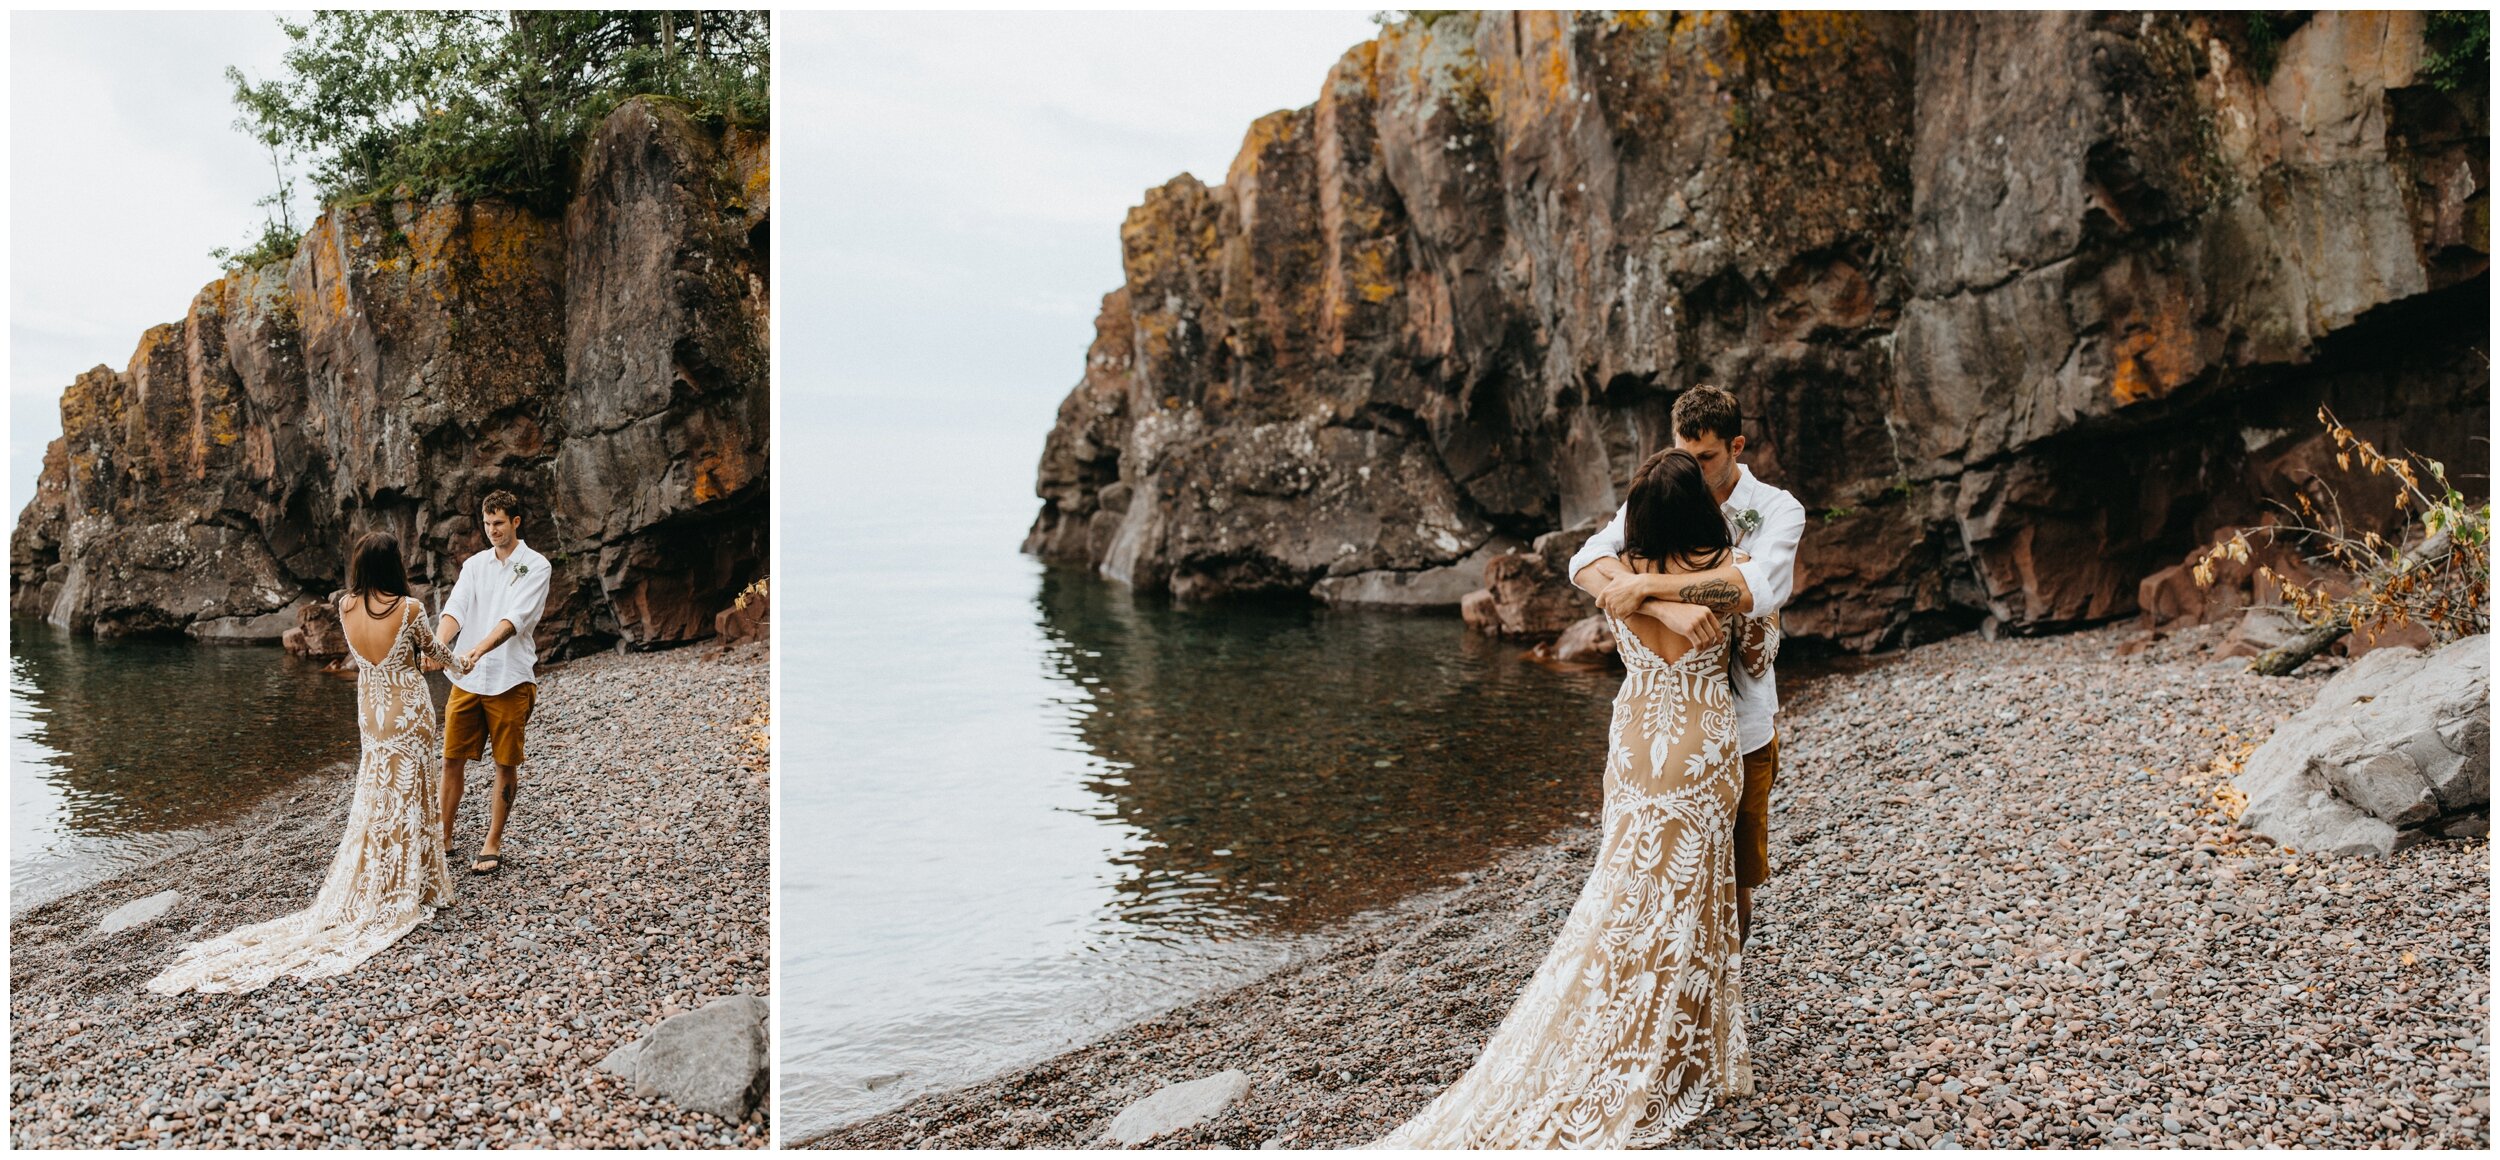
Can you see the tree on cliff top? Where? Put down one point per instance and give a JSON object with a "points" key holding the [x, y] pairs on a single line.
{"points": [[490, 103]]}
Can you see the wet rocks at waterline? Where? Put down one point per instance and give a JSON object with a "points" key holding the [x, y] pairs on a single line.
{"points": [[2396, 748]]}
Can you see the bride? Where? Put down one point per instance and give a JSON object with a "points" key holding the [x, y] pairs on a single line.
{"points": [[390, 873], [1633, 1025]]}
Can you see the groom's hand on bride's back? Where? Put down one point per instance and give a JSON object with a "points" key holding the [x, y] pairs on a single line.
{"points": [[1625, 594], [1693, 622]]}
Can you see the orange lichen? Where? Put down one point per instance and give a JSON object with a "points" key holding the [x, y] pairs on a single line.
{"points": [[1371, 275], [221, 427], [2156, 352], [1265, 133], [1545, 58]]}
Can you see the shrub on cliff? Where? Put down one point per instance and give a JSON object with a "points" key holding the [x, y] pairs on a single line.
{"points": [[490, 103], [2458, 48]]}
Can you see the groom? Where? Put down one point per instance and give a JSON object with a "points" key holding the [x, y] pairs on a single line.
{"points": [[1767, 523], [493, 614]]}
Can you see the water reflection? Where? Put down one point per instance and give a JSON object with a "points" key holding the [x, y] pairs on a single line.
{"points": [[1285, 766], [116, 749]]}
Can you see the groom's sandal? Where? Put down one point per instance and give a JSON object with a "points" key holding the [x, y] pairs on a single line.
{"points": [[487, 864]]}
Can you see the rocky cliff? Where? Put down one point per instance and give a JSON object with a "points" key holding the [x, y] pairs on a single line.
{"points": [[2022, 306], [608, 365]]}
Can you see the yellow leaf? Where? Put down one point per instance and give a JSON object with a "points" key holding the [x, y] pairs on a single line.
{"points": [[2407, 958]]}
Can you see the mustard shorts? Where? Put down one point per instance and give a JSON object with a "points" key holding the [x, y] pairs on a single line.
{"points": [[470, 722]]}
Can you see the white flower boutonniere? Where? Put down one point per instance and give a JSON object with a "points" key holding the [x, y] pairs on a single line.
{"points": [[1746, 521]]}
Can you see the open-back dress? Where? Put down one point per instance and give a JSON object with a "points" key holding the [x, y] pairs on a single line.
{"points": [[1634, 1023], [390, 872]]}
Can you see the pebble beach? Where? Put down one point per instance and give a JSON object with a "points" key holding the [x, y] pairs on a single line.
{"points": [[637, 886], [2009, 910]]}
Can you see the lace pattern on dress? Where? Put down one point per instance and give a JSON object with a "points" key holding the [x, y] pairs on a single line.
{"points": [[389, 873], [1634, 1023]]}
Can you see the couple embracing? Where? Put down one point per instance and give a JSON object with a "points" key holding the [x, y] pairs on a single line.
{"points": [[1633, 1025], [393, 867]]}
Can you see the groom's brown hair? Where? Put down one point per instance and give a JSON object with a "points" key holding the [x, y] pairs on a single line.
{"points": [[503, 501], [1706, 411]]}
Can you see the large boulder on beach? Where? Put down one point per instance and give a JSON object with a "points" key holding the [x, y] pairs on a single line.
{"points": [[317, 635], [1178, 1106], [716, 1060], [2024, 306], [605, 360], [1529, 595], [747, 618], [2397, 747], [1589, 641]]}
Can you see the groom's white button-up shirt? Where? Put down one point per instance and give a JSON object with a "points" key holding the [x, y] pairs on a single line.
{"points": [[1777, 523], [491, 590]]}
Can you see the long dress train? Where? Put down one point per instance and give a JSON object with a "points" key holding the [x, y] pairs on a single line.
{"points": [[390, 871], [1634, 1024]]}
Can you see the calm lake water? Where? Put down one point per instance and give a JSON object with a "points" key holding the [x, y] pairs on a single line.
{"points": [[120, 752], [1022, 807]]}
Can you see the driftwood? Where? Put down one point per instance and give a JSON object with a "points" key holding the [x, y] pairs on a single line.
{"points": [[2283, 661], [2286, 660]]}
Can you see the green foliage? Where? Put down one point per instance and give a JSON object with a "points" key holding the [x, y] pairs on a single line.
{"points": [[1838, 513], [276, 243], [2266, 31], [489, 103], [2456, 48]]}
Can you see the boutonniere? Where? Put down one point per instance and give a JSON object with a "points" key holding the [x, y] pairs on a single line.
{"points": [[520, 570], [1747, 520]]}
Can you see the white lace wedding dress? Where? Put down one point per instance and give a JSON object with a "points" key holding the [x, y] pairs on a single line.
{"points": [[390, 872], [1634, 1024]]}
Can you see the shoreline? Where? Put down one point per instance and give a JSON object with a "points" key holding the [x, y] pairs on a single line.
{"points": [[2006, 912], [639, 888]]}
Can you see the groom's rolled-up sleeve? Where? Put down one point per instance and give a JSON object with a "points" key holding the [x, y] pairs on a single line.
{"points": [[1771, 574], [528, 599], [461, 607], [1607, 542]]}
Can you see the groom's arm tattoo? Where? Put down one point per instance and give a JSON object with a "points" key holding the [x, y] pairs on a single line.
{"points": [[1715, 594]]}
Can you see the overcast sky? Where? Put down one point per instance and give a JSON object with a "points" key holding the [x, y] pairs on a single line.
{"points": [[949, 197], [952, 186], [124, 172]]}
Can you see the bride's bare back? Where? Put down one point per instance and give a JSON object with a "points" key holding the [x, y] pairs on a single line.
{"points": [[372, 626]]}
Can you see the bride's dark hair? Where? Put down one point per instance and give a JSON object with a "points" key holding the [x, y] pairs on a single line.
{"points": [[1671, 515], [375, 569]]}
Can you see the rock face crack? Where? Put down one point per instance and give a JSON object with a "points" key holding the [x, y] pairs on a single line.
{"points": [[608, 365], [1997, 292]]}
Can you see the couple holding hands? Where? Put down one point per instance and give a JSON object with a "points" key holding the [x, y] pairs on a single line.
{"points": [[392, 869]]}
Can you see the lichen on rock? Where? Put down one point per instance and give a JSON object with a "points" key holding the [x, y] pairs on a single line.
{"points": [[2030, 304], [609, 366]]}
